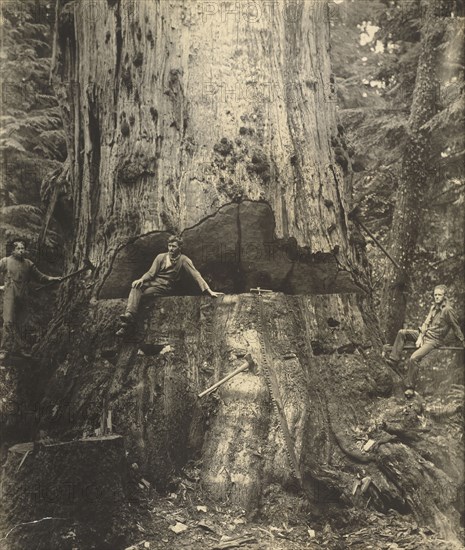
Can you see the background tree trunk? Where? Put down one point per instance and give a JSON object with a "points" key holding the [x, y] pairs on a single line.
{"points": [[416, 175]]}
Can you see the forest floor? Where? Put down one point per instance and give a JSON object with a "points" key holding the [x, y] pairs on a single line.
{"points": [[184, 520], [187, 518]]}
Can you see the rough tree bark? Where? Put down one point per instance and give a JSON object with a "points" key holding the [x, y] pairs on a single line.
{"points": [[416, 174], [176, 108], [184, 109]]}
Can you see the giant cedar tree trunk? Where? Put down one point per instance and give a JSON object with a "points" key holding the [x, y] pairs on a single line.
{"points": [[176, 108], [415, 175], [189, 117]]}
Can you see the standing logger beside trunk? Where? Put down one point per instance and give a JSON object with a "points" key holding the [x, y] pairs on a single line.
{"points": [[18, 272]]}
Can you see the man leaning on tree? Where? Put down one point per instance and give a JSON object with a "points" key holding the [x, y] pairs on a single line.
{"points": [[18, 271], [440, 320]]}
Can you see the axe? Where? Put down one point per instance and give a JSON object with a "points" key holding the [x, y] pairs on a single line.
{"points": [[249, 362], [87, 265]]}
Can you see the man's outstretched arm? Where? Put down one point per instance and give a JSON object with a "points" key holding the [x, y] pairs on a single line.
{"points": [[203, 285], [454, 325], [2, 270], [425, 325], [424, 328], [41, 277]]}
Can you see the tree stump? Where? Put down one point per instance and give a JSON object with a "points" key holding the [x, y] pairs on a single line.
{"points": [[55, 493]]}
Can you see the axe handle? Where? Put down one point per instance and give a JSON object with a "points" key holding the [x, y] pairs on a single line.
{"points": [[243, 367], [63, 278], [375, 240]]}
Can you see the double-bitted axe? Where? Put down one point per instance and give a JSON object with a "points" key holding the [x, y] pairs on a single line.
{"points": [[249, 363]]}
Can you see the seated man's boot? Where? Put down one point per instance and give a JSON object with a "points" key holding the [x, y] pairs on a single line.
{"points": [[127, 322], [125, 329], [126, 318], [409, 393], [122, 331]]}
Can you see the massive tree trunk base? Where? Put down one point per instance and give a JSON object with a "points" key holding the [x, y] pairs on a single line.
{"points": [[331, 394]]}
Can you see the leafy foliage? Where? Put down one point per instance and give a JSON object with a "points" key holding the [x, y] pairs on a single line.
{"points": [[32, 141], [376, 81]]}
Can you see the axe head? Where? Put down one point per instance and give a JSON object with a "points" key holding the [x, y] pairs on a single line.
{"points": [[260, 291], [250, 362], [88, 264]]}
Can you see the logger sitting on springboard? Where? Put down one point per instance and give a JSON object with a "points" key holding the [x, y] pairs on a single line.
{"points": [[440, 320], [161, 279]]}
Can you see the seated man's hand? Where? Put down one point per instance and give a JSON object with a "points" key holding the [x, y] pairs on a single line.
{"points": [[419, 342], [137, 283], [214, 294]]}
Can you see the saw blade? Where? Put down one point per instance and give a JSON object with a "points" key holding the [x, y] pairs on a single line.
{"points": [[275, 395]]}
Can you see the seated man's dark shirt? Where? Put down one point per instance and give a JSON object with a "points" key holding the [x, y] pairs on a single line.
{"points": [[166, 273]]}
